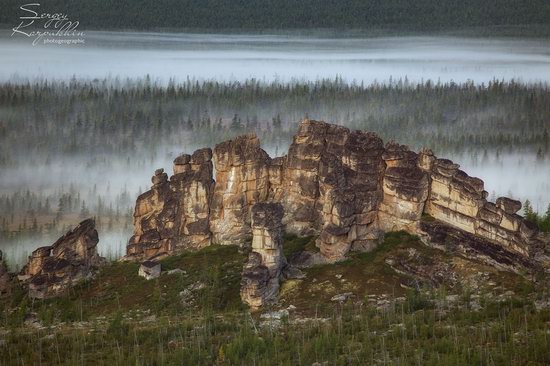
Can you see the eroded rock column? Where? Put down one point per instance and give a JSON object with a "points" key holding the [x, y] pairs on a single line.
{"points": [[332, 185], [262, 272]]}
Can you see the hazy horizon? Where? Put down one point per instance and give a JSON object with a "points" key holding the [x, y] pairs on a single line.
{"points": [[284, 58]]}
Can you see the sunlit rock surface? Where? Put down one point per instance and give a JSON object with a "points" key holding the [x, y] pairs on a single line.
{"points": [[262, 272], [71, 259], [332, 185], [345, 187]]}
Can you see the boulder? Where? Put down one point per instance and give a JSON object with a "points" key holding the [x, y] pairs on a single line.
{"points": [[149, 269], [508, 205]]}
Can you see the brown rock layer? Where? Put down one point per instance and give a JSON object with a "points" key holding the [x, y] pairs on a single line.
{"points": [[5, 277], [406, 188]]}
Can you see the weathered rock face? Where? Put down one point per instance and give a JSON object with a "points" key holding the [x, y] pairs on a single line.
{"points": [[332, 185], [262, 272], [73, 257], [343, 186], [5, 277], [175, 213], [242, 179]]}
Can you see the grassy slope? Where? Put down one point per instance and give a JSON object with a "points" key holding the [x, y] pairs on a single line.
{"points": [[120, 318]]}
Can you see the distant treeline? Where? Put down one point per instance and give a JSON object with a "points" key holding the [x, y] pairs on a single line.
{"points": [[292, 14], [43, 120]]}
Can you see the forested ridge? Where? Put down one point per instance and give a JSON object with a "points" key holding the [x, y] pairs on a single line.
{"points": [[291, 14]]}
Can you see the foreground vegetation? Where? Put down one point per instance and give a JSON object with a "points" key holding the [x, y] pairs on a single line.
{"points": [[511, 333], [120, 318]]}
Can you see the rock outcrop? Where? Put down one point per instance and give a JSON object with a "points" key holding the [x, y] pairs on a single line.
{"points": [[460, 201], [406, 188], [345, 187], [72, 258], [262, 272]]}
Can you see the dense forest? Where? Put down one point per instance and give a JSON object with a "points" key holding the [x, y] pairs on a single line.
{"points": [[421, 15]]}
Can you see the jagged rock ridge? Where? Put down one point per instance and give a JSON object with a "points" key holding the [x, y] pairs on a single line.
{"points": [[343, 186]]}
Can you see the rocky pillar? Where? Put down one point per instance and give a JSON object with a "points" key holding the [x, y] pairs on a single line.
{"points": [[260, 280], [175, 214]]}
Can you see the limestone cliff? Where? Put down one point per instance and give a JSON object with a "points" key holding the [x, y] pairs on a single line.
{"points": [[343, 186]]}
